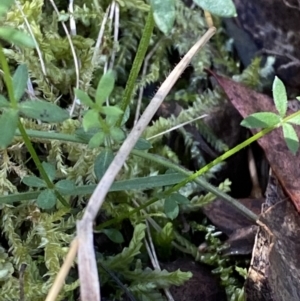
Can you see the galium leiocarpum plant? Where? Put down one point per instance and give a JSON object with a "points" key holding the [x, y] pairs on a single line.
{"points": [[47, 112], [111, 135]]}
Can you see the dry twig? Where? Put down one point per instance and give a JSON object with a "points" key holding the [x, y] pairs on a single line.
{"points": [[88, 274]]}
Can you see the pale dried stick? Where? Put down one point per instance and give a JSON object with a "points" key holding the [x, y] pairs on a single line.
{"points": [[100, 36], [152, 254], [111, 16], [63, 272], [177, 127], [73, 30], [209, 19], [256, 190], [75, 59], [102, 188], [116, 35], [151, 249], [38, 50], [90, 287]]}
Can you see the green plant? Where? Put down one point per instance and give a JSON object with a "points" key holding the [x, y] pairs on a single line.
{"points": [[77, 151], [224, 266], [271, 120]]}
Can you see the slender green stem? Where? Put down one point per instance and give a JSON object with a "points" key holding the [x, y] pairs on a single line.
{"points": [[52, 136], [7, 79], [160, 160], [223, 157], [132, 184], [137, 63], [232, 152], [200, 181], [191, 176], [14, 104], [39, 165]]}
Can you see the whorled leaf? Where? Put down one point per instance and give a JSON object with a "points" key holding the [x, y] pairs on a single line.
{"points": [[33, 181], [117, 134], [8, 125], [97, 140], [280, 96], [295, 120], [44, 111], [46, 199], [142, 144], [84, 98], [111, 111], [20, 79], [164, 14], [4, 103], [222, 8], [102, 162], [171, 208], [90, 120], [65, 186], [114, 235], [105, 87], [290, 137], [50, 170], [5, 5], [180, 199], [261, 120], [16, 37]]}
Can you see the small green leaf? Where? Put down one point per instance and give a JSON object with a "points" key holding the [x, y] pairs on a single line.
{"points": [[102, 162], [117, 134], [164, 14], [280, 97], [6, 268], [50, 170], [84, 98], [298, 98], [114, 235], [142, 144], [295, 120], [222, 8], [86, 136], [4, 103], [65, 186], [171, 208], [165, 237], [163, 240], [46, 199], [105, 87], [20, 79], [261, 120], [111, 111], [97, 140], [33, 181], [90, 120], [8, 125], [242, 272], [44, 111], [5, 5], [179, 199], [290, 137], [112, 120], [16, 37]]}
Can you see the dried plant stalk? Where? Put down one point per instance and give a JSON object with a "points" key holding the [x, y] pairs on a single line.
{"points": [[88, 274]]}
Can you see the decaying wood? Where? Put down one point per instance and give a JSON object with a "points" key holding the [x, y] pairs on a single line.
{"points": [[274, 274]]}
